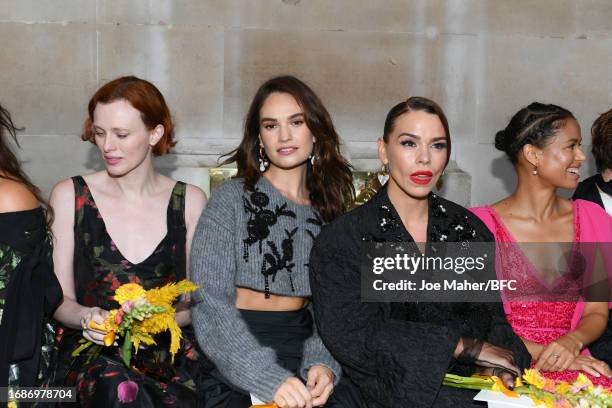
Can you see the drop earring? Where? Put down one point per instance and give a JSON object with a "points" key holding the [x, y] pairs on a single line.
{"points": [[383, 175], [535, 170], [263, 163]]}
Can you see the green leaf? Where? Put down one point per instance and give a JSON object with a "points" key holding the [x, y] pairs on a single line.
{"points": [[126, 348], [82, 347]]}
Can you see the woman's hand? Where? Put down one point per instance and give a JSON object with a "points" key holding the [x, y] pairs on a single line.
{"points": [[559, 354], [590, 365], [507, 378], [292, 393], [320, 384], [97, 315], [477, 352]]}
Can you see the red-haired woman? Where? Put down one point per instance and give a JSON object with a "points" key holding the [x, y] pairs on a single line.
{"points": [[127, 223], [28, 287]]}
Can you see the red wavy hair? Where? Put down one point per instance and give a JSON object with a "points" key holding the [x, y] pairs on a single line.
{"points": [[144, 97]]}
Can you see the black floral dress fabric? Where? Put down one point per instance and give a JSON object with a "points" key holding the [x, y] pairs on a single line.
{"points": [[398, 353], [99, 269], [29, 292]]}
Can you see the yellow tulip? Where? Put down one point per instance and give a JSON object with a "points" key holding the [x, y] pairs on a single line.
{"points": [[109, 338], [499, 386], [96, 326]]}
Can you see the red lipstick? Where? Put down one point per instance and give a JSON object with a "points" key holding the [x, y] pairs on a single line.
{"points": [[421, 177]]}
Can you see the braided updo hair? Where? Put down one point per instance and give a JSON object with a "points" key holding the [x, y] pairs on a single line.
{"points": [[534, 125], [601, 133]]}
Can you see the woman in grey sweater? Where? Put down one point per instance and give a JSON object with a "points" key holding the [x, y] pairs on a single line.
{"points": [[250, 256]]}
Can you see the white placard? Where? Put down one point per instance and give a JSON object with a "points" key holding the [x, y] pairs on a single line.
{"points": [[498, 400]]}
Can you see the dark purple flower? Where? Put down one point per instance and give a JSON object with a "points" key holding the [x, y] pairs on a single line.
{"points": [[127, 391]]}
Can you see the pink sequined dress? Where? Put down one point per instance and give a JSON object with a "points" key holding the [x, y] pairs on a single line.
{"points": [[543, 322]]}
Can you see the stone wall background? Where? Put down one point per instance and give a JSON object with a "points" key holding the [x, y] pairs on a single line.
{"points": [[481, 60]]}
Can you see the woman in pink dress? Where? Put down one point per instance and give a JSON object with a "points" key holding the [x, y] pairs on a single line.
{"points": [[543, 143]]}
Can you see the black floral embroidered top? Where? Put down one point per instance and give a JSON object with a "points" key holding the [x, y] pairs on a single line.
{"points": [[257, 240], [397, 353]]}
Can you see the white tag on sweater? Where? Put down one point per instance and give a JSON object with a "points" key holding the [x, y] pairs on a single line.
{"points": [[256, 401]]}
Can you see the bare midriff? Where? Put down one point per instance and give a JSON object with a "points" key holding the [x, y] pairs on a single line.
{"points": [[250, 299]]}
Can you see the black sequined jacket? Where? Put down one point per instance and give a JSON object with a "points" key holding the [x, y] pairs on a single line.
{"points": [[398, 353]]}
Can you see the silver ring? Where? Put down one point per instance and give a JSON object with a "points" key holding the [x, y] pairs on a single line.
{"points": [[556, 356]]}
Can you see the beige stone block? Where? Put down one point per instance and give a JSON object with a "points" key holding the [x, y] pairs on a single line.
{"points": [[48, 10], [124, 12], [514, 72], [493, 176], [541, 18], [48, 159], [359, 76], [186, 64], [594, 18], [355, 15], [45, 83]]}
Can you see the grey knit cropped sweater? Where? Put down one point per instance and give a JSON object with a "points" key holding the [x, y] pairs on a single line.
{"points": [[258, 240]]}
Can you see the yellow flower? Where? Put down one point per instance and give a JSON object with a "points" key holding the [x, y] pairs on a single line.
{"points": [[109, 338], [139, 336], [518, 382], [563, 388], [129, 291], [96, 326], [167, 294], [498, 385], [534, 378]]}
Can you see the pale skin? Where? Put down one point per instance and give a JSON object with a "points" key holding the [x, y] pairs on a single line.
{"points": [[132, 199], [417, 142], [534, 213], [288, 142]]}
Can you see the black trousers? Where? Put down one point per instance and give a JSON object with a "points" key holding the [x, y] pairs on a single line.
{"points": [[285, 332]]}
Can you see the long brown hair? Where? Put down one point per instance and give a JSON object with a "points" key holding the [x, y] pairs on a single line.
{"points": [[10, 168], [330, 180]]}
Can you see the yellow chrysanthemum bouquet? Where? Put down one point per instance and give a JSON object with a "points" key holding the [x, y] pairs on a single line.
{"points": [[141, 315]]}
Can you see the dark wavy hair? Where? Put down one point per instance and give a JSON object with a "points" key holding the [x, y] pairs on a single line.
{"points": [[533, 124], [601, 133], [417, 103], [330, 180], [10, 168]]}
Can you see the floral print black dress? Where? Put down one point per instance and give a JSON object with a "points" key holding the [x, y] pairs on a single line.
{"points": [[100, 377]]}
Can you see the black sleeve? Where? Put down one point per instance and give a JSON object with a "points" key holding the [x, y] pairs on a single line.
{"points": [[602, 348], [394, 362], [501, 334]]}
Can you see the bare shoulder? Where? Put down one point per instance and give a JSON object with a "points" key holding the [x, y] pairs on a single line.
{"points": [[62, 191], [195, 201], [196, 195], [15, 196]]}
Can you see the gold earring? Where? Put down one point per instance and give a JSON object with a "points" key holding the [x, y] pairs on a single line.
{"points": [[535, 170]]}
